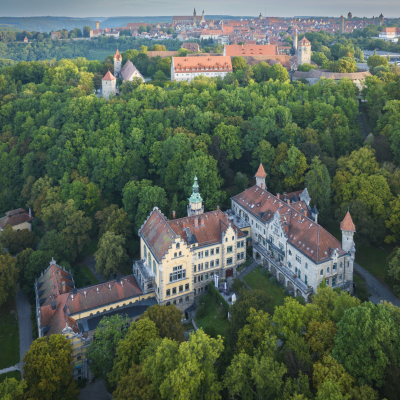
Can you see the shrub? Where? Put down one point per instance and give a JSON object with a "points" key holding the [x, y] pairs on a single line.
{"points": [[362, 291], [301, 300], [210, 331], [274, 281], [265, 272], [201, 309]]}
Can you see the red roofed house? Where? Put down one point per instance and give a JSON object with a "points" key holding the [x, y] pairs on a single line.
{"points": [[108, 85], [18, 219], [75, 313], [250, 50], [187, 68], [25, 39], [289, 242]]}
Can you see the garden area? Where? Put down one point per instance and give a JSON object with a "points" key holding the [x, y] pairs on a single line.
{"points": [[9, 335], [258, 279]]}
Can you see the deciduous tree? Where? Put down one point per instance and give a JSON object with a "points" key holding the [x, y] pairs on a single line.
{"points": [[8, 278]]}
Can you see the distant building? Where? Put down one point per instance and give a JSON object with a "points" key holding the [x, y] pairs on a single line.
{"points": [[55, 35], [97, 25], [26, 39], [187, 68], [108, 85], [304, 51], [211, 34], [350, 16], [250, 50], [189, 19], [95, 33], [295, 41], [341, 24], [18, 219], [194, 47], [390, 34]]}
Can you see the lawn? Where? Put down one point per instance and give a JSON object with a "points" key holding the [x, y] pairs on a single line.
{"points": [[215, 321], [260, 282], [89, 274], [372, 258], [9, 335], [13, 374], [100, 55]]}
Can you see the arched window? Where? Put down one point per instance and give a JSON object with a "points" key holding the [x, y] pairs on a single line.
{"points": [[149, 262], [145, 252], [154, 268]]}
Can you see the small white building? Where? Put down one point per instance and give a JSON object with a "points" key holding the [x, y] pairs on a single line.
{"points": [[187, 68], [390, 34]]}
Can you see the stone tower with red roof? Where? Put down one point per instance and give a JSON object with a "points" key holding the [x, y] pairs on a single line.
{"points": [[108, 85], [260, 177], [348, 230], [304, 52], [117, 63]]}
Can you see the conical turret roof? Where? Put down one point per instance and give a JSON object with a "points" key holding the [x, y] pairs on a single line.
{"points": [[347, 224], [261, 172]]}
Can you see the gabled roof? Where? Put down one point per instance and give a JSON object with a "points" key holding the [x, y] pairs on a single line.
{"points": [[128, 70], [347, 224], [304, 41], [109, 77], [15, 217], [251, 50], [302, 232], [260, 172]]}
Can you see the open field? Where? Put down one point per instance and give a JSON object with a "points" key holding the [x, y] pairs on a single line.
{"points": [[100, 55]]}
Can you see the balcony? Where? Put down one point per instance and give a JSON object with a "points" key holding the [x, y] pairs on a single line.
{"points": [[285, 271]]}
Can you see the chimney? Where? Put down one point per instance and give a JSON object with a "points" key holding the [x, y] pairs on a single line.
{"points": [[218, 208], [288, 201], [54, 305], [196, 222], [173, 214], [30, 213], [278, 196], [64, 287], [201, 221]]}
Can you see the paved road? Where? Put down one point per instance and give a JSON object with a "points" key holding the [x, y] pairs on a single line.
{"points": [[378, 291], [24, 322]]}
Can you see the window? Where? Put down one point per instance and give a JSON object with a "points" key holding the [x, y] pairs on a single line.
{"points": [[168, 292], [187, 286], [180, 254], [175, 255], [187, 299], [195, 292], [180, 301], [271, 239], [149, 260], [168, 303], [238, 256], [200, 254], [180, 288], [306, 265], [206, 253], [217, 250], [299, 274], [305, 279], [298, 258], [333, 280], [177, 274], [217, 263], [327, 270], [229, 261], [211, 252], [334, 266], [281, 245], [201, 278], [290, 252], [327, 282], [194, 279], [340, 278], [211, 264], [321, 272], [206, 276], [233, 237], [206, 265], [229, 249], [145, 251], [178, 245], [194, 268], [212, 275], [174, 290], [174, 302], [340, 265], [154, 268]]}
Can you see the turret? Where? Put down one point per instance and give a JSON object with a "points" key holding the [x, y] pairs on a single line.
{"points": [[108, 85], [195, 206], [341, 26], [194, 13], [117, 63], [202, 15], [260, 177], [348, 229], [304, 52], [295, 40]]}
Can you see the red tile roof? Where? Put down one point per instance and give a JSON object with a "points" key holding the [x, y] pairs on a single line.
{"points": [[305, 41], [261, 172], [15, 217], [302, 232], [109, 77], [117, 56], [347, 223], [205, 63], [251, 50]]}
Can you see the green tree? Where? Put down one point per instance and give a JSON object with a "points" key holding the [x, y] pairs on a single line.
{"points": [[130, 197], [293, 169], [393, 223], [318, 184], [320, 336], [394, 270], [167, 320], [11, 389], [101, 352], [375, 61], [160, 76], [365, 341], [113, 219], [53, 243], [265, 154], [241, 181], [278, 73], [9, 275], [110, 254], [319, 58], [238, 63], [47, 369], [139, 335], [230, 140]]}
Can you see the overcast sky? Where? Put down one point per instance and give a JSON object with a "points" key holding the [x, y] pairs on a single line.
{"points": [[280, 8]]}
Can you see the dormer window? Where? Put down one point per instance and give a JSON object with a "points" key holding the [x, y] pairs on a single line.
{"points": [[178, 245]]}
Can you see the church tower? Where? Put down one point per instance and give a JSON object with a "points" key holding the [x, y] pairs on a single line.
{"points": [[260, 177], [295, 41], [202, 17], [304, 52], [195, 206], [117, 63], [194, 13], [341, 26]]}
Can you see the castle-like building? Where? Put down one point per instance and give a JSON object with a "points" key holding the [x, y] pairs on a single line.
{"points": [[179, 258], [302, 49], [191, 19]]}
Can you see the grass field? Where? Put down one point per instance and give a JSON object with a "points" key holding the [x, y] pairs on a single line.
{"points": [[89, 274], [14, 374], [372, 258], [100, 55], [215, 320], [260, 282], [9, 335]]}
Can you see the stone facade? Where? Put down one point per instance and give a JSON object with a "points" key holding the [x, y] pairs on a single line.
{"points": [[108, 85], [304, 52]]}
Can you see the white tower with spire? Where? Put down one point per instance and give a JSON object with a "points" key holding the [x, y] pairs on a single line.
{"points": [[117, 63], [195, 206], [348, 230], [260, 177]]}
